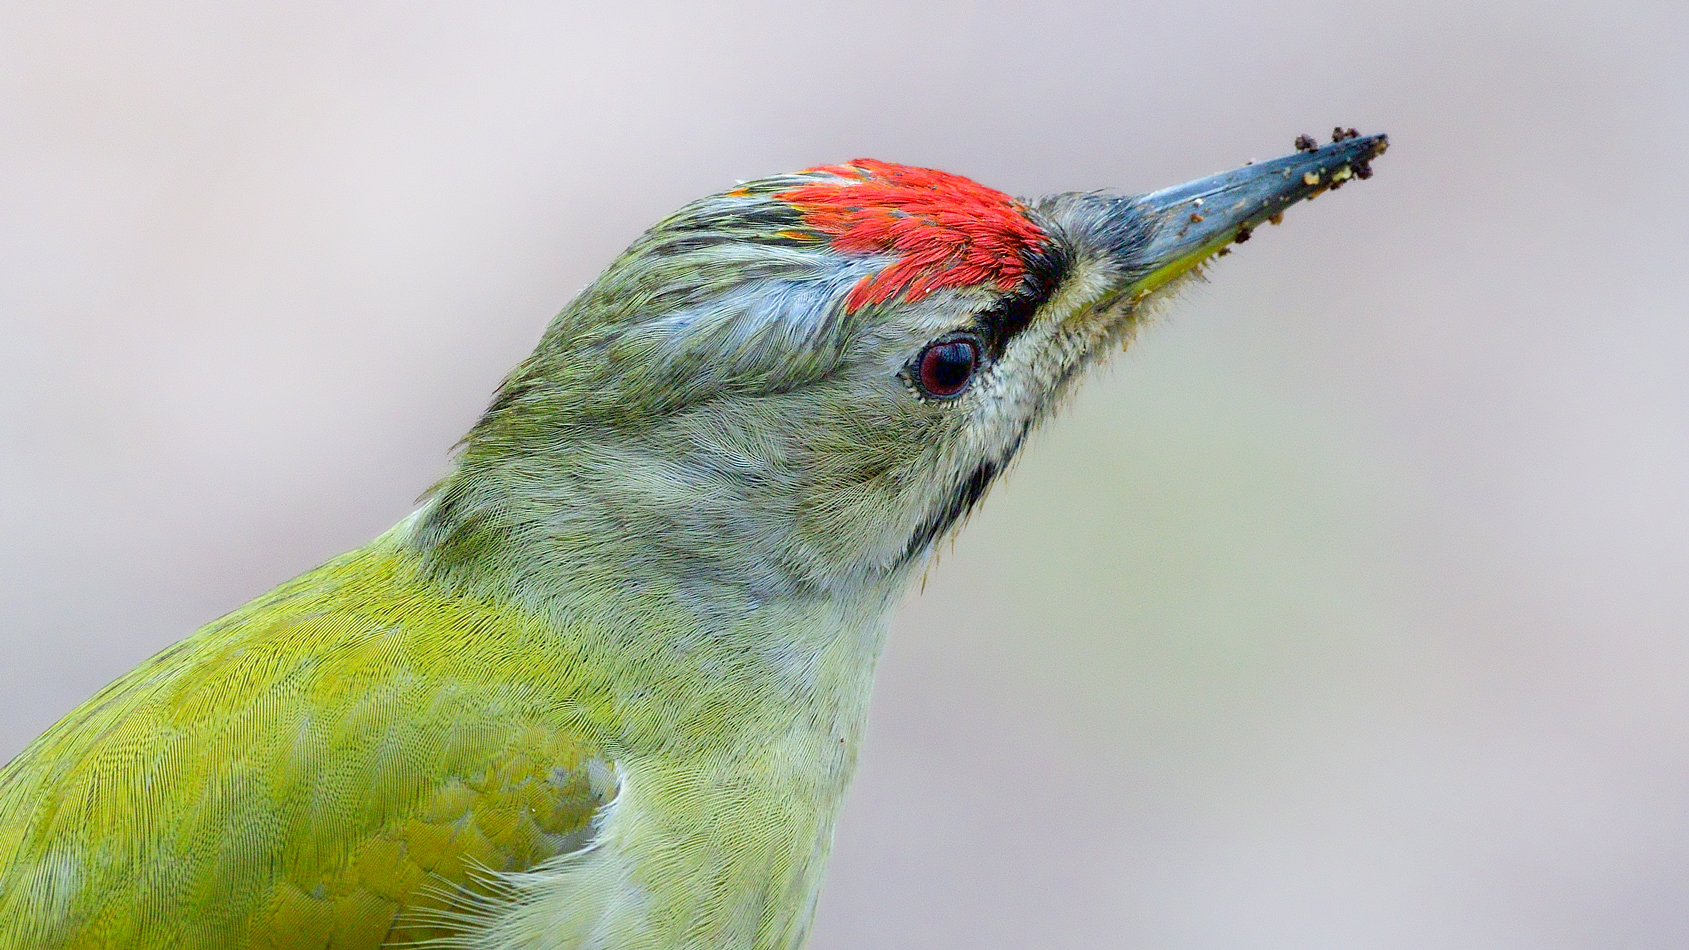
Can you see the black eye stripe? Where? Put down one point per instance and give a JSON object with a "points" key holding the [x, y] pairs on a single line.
{"points": [[1001, 323], [1044, 273]]}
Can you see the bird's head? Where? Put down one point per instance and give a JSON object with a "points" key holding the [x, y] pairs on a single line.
{"points": [[799, 385]]}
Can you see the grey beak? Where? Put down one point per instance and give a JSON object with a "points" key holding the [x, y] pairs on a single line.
{"points": [[1187, 222], [1155, 238]]}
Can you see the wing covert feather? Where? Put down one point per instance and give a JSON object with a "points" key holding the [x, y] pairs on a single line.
{"points": [[322, 768]]}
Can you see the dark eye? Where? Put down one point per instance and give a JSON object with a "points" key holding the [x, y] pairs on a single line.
{"points": [[945, 368]]}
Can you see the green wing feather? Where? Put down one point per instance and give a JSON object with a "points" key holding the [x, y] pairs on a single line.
{"points": [[332, 765]]}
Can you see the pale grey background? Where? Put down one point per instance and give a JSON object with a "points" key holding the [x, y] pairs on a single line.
{"points": [[1348, 610]]}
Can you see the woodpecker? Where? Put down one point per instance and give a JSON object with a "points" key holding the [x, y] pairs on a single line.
{"points": [[604, 689]]}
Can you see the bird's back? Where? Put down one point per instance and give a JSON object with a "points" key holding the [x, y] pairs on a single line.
{"points": [[339, 763]]}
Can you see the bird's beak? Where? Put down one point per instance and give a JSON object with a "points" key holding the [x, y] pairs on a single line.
{"points": [[1186, 224]]}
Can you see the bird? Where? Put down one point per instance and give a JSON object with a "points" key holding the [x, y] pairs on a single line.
{"points": [[605, 687]]}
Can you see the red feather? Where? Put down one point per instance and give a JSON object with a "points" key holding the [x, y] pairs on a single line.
{"points": [[943, 230]]}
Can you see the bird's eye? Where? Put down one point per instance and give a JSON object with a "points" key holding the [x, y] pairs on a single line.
{"points": [[946, 367]]}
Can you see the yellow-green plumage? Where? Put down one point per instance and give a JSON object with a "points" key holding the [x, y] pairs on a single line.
{"points": [[334, 759], [605, 689]]}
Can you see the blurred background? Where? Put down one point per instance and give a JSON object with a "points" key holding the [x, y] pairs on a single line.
{"points": [[1350, 608]]}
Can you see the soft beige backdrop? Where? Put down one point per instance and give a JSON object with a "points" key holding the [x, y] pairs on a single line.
{"points": [[1348, 610]]}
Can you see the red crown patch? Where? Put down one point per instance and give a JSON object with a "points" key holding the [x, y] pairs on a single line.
{"points": [[944, 230]]}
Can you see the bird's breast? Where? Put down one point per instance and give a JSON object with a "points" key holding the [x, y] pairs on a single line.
{"points": [[724, 852]]}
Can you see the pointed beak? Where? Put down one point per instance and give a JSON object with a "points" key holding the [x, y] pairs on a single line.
{"points": [[1184, 225]]}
